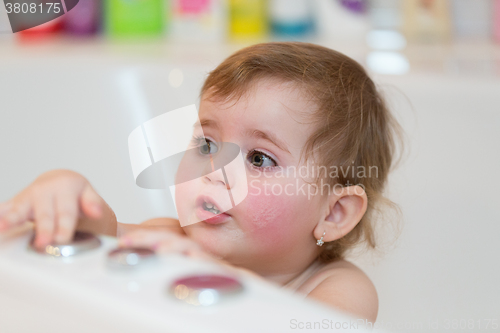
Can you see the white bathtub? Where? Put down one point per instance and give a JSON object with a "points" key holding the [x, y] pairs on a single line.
{"points": [[73, 106]]}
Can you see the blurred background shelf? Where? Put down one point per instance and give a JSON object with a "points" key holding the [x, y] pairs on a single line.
{"points": [[389, 37], [459, 58]]}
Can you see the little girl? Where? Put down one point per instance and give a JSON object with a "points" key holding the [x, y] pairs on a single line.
{"points": [[289, 107]]}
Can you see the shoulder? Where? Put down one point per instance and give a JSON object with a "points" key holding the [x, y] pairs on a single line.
{"points": [[346, 287]]}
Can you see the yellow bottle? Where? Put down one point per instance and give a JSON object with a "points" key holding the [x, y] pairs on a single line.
{"points": [[427, 20], [248, 19]]}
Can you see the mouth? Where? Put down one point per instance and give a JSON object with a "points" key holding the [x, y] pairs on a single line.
{"points": [[209, 207], [208, 211]]}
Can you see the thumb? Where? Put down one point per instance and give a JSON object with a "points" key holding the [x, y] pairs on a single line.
{"points": [[91, 203]]}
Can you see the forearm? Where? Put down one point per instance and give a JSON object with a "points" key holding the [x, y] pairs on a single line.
{"points": [[155, 224]]}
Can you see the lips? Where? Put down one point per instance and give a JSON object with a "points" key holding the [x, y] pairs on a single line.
{"points": [[209, 216]]}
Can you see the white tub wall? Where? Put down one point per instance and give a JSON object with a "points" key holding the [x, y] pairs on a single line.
{"points": [[444, 266], [60, 114], [64, 108]]}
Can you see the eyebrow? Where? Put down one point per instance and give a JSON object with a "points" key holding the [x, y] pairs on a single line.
{"points": [[268, 137], [206, 123], [254, 133]]}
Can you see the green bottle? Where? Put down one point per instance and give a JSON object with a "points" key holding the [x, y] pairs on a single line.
{"points": [[134, 17]]}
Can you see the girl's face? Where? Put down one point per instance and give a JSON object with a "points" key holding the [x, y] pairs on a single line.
{"points": [[274, 224]]}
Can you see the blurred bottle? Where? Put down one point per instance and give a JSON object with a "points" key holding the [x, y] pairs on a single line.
{"points": [[472, 19], [46, 29], [496, 20], [42, 31], [51, 14], [198, 20], [134, 17], [84, 18], [386, 14], [248, 19], [345, 21], [427, 20], [291, 17]]}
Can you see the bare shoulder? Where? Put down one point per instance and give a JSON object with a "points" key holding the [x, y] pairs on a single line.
{"points": [[346, 287]]}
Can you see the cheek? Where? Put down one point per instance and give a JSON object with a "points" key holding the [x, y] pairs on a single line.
{"points": [[184, 198], [271, 220], [181, 194]]}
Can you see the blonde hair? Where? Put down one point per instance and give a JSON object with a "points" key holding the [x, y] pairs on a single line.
{"points": [[354, 127]]}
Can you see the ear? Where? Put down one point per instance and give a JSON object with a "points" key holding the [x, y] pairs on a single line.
{"points": [[343, 210]]}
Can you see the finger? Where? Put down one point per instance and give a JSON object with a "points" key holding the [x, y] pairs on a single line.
{"points": [[5, 207], [182, 246], [43, 206], [19, 212], [91, 203], [66, 205]]}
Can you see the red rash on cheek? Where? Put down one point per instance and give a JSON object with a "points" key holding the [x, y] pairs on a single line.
{"points": [[267, 218]]}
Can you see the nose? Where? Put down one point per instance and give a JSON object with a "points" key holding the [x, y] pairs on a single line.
{"points": [[218, 168], [218, 177]]}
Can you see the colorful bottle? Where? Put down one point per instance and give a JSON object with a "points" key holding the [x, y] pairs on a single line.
{"points": [[248, 19], [472, 19], [345, 21], [291, 18], [36, 18], [198, 20], [427, 20], [84, 18], [42, 31], [134, 17], [386, 14]]}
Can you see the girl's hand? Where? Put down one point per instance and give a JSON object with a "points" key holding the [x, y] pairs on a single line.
{"points": [[163, 242], [54, 201]]}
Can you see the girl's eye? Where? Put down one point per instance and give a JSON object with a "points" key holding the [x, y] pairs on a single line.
{"points": [[208, 147], [260, 160]]}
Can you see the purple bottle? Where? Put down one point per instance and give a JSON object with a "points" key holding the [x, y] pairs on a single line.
{"points": [[356, 6], [84, 18]]}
